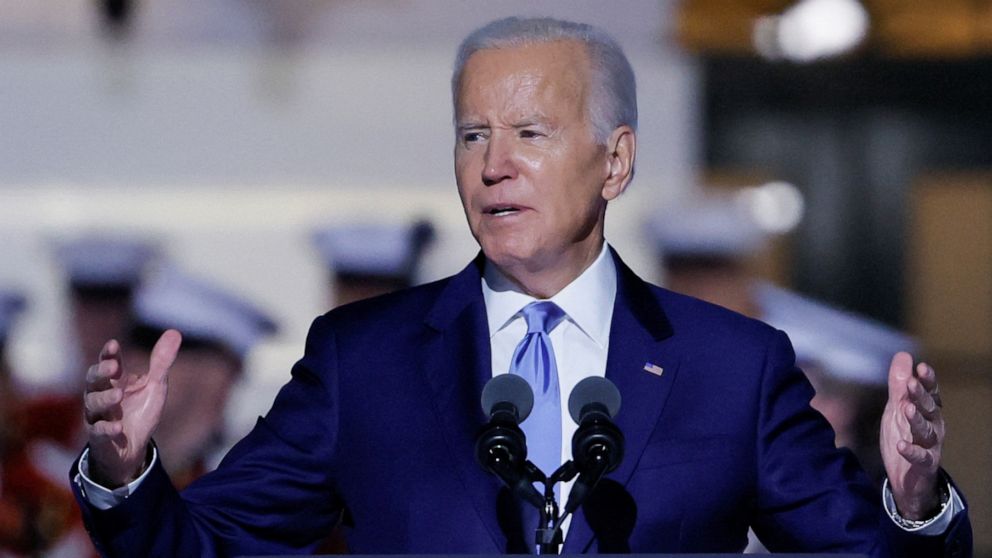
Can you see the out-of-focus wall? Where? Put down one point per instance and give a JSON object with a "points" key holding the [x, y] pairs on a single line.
{"points": [[175, 106], [229, 130], [950, 307]]}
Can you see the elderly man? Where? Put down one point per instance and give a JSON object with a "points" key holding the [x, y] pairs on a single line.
{"points": [[380, 417]]}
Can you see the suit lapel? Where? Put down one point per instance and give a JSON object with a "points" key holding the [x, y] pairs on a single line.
{"points": [[637, 333], [457, 366]]}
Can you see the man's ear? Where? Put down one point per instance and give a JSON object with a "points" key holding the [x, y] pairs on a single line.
{"points": [[621, 149]]}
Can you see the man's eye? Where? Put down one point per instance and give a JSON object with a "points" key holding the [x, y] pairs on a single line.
{"points": [[472, 137], [528, 134]]}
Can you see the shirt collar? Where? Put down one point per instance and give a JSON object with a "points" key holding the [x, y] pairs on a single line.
{"points": [[587, 300]]}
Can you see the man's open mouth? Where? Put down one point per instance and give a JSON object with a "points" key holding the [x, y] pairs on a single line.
{"points": [[502, 210]]}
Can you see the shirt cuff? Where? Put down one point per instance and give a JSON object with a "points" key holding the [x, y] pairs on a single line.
{"points": [[936, 525], [103, 498]]}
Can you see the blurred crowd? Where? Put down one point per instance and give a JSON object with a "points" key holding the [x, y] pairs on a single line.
{"points": [[123, 287]]}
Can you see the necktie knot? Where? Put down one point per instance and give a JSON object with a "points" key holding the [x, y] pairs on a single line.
{"points": [[542, 316]]}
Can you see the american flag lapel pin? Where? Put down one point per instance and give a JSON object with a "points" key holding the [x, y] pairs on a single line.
{"points": [[653, 368]]}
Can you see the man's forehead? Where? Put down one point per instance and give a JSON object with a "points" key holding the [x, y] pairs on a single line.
{"points": [[564, 54], [522, 71]]}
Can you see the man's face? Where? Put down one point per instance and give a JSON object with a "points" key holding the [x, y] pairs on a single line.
{"points": [[530, 173]]}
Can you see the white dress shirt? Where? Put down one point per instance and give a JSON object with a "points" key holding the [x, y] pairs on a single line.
{"points": [[580, 342]]}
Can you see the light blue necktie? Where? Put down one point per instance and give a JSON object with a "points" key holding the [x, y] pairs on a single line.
{"points": [[534, 361]]}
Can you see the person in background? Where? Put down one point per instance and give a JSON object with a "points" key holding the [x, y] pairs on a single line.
{"points": [[704, 246], [367, 260], [220, 329], [37, 513], [12, 304], [15, 514], [102, 272]]}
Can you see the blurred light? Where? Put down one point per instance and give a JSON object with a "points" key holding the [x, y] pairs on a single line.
{"points": [[812, 29], [765, 37], [777, 207]]}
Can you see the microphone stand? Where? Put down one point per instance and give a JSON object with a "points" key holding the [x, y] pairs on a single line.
{"points": [[548, 533], [501, 448]]}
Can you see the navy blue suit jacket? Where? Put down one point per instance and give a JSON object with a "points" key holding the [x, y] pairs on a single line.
{"points": [[381, 415]]}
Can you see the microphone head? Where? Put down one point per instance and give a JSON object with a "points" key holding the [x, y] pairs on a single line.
{"points": [[508, 388], [593, 389]]}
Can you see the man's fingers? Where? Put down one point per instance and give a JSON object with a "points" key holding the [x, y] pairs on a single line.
{"points": [[102, 405], [925, 402], [111, 349], [923, 432], [900, 372], [915, 454], [99, 376], [105, 430], [928, 377], [164, 354]]}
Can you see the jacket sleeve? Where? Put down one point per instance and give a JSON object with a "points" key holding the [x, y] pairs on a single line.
{"points": [[272, 494], [812, 497]]}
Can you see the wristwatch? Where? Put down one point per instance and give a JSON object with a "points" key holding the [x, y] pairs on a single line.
{"points": [[945, 499]]}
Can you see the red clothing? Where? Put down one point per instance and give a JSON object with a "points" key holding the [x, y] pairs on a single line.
{"points": [[37, 509]]}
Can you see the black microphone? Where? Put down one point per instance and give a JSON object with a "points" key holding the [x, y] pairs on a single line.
{"points": [[597, 446], [501, 447], [507, 397]]}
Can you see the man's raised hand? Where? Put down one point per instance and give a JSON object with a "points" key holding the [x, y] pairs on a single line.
{"points": [[122, 410], [912, 437]]}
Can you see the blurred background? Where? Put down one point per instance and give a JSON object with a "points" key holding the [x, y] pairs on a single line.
{"points": [[825, 165]]}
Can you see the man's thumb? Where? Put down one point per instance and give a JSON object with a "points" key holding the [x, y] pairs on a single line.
{"points": [[900, 371], [164, 354]]}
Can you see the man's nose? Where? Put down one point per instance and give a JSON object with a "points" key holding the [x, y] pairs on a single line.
{"points": [[499, 163]]}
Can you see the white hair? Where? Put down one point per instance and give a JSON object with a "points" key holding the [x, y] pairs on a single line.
{"points": [[613, 100]]}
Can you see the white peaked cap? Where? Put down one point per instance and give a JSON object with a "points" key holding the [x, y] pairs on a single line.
{"points": [[711, 225], [105, 259], [200, 310], [848, 346], [387, 250]]}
